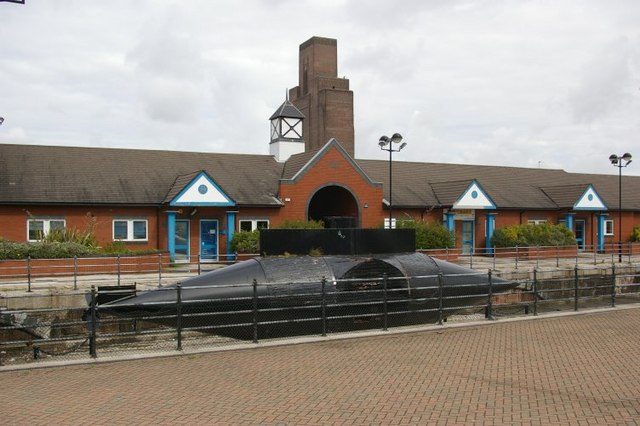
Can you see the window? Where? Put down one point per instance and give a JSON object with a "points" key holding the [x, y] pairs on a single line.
{"points": [[536, 221], [38, 228], [130, 230], [608, 227], [253, 224]]}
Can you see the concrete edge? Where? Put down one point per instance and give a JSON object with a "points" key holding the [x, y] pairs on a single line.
{"points": [[316, 339]]}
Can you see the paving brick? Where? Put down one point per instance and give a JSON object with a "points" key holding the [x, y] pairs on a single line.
{"points": [[577, 370]]}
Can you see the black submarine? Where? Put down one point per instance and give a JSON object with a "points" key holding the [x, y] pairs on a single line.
{"points": [[279, 295]]}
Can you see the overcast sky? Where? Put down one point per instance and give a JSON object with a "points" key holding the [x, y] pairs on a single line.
{"points": [[481, 82]]}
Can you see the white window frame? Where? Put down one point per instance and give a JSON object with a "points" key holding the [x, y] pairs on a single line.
{"points": [[129, 230], [536, 221], [254, 223], [46, 225], [612, 227]]}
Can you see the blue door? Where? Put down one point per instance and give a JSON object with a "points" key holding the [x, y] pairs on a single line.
{"points": [[208, 240], [467, 236], [182, 241], [580, 233]]}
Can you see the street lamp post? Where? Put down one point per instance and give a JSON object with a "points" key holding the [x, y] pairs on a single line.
{"points": [[617, 161], [386, 144]]}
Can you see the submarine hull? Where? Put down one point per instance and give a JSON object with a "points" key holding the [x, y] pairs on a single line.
{"points": [[310, 295]]}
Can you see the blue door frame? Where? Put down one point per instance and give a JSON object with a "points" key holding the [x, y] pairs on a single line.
{"points": [[182, 240], [208, 240], [580, 228], [467, 236]]}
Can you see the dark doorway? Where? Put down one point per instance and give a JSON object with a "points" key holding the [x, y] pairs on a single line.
{"points": [[335, 206]]}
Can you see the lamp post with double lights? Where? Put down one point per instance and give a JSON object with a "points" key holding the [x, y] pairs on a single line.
{"points": [[387, 144], [617, 161]]}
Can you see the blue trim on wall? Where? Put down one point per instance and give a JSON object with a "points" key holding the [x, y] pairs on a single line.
{"points": [[451, 221], [491, 226], [601, 225], [568, 221], [171, 234], [231, 228], [228, 203]]}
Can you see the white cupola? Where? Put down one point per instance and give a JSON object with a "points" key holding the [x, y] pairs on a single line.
{"points": [[286, 132]]}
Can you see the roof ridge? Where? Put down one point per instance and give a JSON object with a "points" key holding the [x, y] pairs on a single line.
{"points": [[108, 148]]}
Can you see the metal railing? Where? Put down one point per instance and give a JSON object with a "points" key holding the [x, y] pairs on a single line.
{"points": [[537, 256], [159, 270], [153, 269], [195, 317]]}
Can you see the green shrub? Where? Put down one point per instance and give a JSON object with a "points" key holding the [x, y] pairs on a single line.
{"points": [[13, 250], [246, 242], [65, 235], [429, 235], [44, 250], [59, 250], [635, 234], [544, 234], [120, 248], [302, 224]]}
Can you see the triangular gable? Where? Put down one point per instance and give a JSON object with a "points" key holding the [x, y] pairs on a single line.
{"points": [[474, 197], [321, 152], [202, 191], [590, 200]]}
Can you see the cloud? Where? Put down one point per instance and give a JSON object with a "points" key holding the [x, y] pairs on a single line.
{"points": [[484, 82]]}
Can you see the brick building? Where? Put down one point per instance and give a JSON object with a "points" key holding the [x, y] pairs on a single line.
{"points": [[191, 204]]}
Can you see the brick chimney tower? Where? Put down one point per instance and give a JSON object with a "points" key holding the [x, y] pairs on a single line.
{"points": [[323, 98]]}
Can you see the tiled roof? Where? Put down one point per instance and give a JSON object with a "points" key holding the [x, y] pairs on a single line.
{"points": [[565, 196], [54, 174], [287, 109], [447, 193], [71, 175], [179, 184], [432, 184]]}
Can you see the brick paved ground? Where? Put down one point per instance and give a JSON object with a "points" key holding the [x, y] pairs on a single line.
{"points": [[581, 369]]}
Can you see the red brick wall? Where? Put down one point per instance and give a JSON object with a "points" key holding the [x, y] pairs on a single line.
{"points": [[332, 168], [13, 221]]}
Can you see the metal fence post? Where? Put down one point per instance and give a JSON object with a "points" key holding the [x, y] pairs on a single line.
{"points": [[324, 307], [613, 285], [630, 247], [595, 252], [494, 258], [471, 258], [577, 250], [94, 318], [440, 291], [199, 266], [535, 292], [575, 288], [159, 269], [255, 311], [384, 302], [75, 272], [557, 256], [516, 256], [490, 296], [537, 256], [118, 260], [29, 274], [179, 315]]}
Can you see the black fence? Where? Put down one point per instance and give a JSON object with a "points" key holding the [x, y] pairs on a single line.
{"points": [[92, 329], [343, 241]]}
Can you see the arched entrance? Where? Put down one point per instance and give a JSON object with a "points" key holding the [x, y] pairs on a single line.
{"points": [[335, 206]]}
